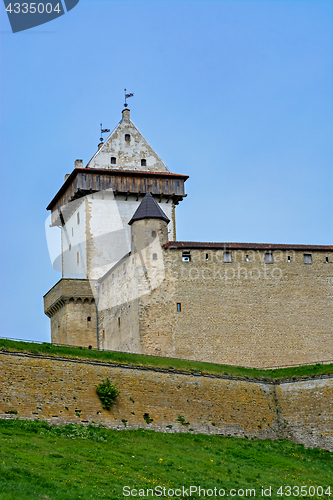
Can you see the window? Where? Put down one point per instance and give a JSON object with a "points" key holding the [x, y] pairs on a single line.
{"points": [[70, 247], [326, 260], [78, 217], [102, 287], [288, 259], [89, 318], [112, 278], [127, 137], [307, 258], [113, 160], [143, 163], [124, 268], [207, 256], [227, 257], [268, 258], [247, 258], [72, 232], [154, 256], [186, 256], [179, 307], [77, 258], [119, 322], [153, 233]]}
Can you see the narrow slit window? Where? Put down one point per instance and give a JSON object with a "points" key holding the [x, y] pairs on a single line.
{"points": [[179, 307], [154, 256], [247, 258], [124, 268], [268, 258], [78, 218], [186, 256], [326, 260], [89, 318], [70, 247], [227, 257], [207, 256], [113, 160], [102, 287], [119, 322], [289, 259], [112, 278], [77, 258], [143, 162], [127, 137], [307, 258], [72, 232]]}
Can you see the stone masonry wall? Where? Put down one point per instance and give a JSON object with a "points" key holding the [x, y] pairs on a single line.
{"points": [[62, 391], [243, 312]]}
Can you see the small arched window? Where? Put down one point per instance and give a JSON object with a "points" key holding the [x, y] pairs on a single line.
{"points": [[113, 160], [143, 162], [127, 137]]}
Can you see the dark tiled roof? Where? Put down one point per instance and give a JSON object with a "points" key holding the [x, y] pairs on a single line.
{"points": [[245, 246], [148, 209]]}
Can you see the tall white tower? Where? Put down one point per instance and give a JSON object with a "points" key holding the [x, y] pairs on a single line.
{"points": [[93, 208]]}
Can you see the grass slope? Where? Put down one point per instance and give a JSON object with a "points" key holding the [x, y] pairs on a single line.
{"points": [[75, 462], [166, 363]]}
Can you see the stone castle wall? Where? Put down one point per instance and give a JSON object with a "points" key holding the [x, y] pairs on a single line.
{"points": [[243, 312], [62, 390]]}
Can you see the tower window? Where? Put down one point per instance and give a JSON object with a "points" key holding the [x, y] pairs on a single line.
{"points": [[127, 137], [70, 247], [289, 259], [112, 278], [326, 260], [247, 258], [77, 258], [153, 233], [227, 257], [113, 160], [119, 322], [78, 217], [207, 256], [268, 258], [186, 256], [143, 163], [307, 258], [179, 307], [89, 318], [124, 268], [154, 256]]}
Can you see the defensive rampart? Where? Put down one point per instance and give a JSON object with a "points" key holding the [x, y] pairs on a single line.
{"points": [[62, 390]]}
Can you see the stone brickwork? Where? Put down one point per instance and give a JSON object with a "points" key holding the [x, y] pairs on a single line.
{"points": [[70, 305], [243, 312], [62, 391]]}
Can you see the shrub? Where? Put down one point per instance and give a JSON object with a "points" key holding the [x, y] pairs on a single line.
{"points": [[107, 393]]}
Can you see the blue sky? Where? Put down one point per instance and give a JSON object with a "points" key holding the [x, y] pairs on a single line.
{"points": [[236, 94]]}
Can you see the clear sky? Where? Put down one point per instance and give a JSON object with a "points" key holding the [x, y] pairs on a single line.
{"points": [[236, 94]]}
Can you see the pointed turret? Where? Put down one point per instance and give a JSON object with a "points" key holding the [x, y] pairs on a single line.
{"points": [[149, 209]]}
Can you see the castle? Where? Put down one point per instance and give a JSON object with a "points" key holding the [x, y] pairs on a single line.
{"points": [[128, 284]]}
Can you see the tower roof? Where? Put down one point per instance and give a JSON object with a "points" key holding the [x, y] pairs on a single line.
{"points": [[148, 209]]}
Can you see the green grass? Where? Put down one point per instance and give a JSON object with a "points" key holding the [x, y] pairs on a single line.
{"points": [[75, 462], [167, 363]]}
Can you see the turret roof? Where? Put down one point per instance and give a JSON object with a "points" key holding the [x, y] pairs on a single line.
{"points": [[148, 209]]}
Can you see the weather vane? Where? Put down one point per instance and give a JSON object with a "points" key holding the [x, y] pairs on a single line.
{"points": [[103, 131], [126, 97]]}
